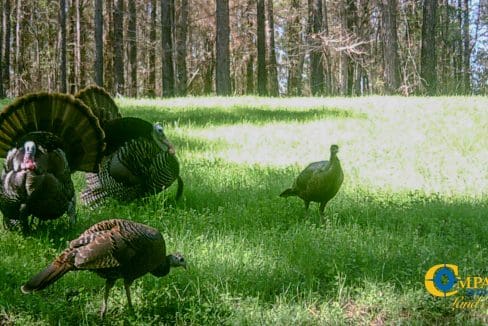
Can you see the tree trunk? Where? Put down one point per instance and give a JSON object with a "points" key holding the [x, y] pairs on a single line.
{"points": [[222, 76], [119, 47], [466, 50], [84, 40], [36, 57], [261, 45], [273, 66], [344, 58], [208, 67], [22, 48], [16, 64], [250, 75], [168, 76], [152, 51], [326, 53], [294, 49], [316, 67], [445, 82], [6, 61], [301, 57], [301, 64], [181, 39], [71, 36], [62, 25], [428, 55], [99, 42], [132, 38], [108, 61], [2, 91], [391, 60], [351, 23], [459, 57]]}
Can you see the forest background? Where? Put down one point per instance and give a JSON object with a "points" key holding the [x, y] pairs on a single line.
{"points": [[288, 48]]}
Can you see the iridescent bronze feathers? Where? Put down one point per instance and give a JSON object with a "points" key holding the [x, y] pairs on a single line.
{"points": [[113, 249], [139, 160], [45, 137]]}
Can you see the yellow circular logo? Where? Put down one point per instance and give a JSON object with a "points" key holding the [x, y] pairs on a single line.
{"points": [[441, 279]]}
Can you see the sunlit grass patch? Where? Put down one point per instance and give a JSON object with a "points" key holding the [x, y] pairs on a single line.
{"points": [[398, 146]]}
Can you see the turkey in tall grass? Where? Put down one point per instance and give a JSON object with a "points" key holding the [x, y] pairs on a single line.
{"points": [[139, 160], [318, 182], [44, 139], [113, 249]]}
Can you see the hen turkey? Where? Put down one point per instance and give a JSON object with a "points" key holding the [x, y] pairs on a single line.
{"points": [[113, 249], [319, 181], [139, 160], [45, 137]]}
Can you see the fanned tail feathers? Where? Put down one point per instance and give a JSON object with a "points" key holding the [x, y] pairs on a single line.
{"points": [[55, 120], [100, 102]]}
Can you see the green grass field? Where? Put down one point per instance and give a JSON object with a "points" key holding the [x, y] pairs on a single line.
{"points": [[415, 194]]}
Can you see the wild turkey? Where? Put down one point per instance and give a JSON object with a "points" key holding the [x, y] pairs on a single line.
{"points": [[45, 137], [139, 160], [113, 249], [319, 181]]}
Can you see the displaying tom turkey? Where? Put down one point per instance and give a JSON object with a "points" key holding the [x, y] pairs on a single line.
{"points": [[319, 181], [139, 160], [45, 137], [113, 249]]}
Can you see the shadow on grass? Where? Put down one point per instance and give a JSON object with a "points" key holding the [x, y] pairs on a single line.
{"points": [[392, 237], [381, 238], [55, 232], [203, 117], [195, 144], [243, 241]]}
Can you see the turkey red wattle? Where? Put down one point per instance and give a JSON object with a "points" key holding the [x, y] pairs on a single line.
{"points": [[28, 164]]}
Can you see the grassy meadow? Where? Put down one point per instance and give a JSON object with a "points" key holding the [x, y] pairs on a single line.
{"points": [[415, 194]]}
